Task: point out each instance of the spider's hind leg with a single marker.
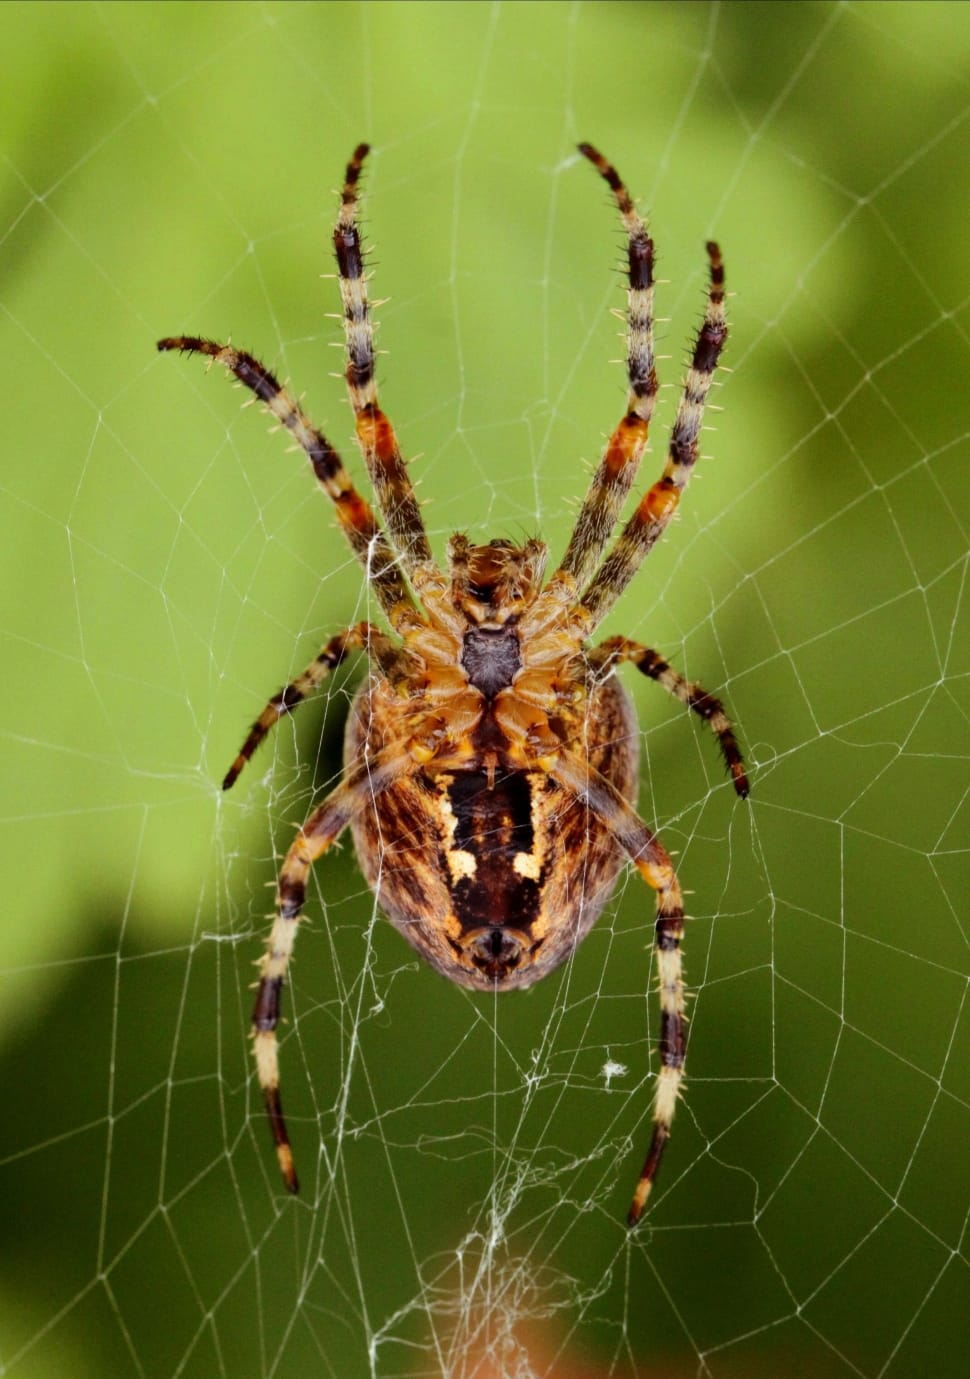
(575, 774)
(356, 792)
(658, 505)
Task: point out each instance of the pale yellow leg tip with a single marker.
(639, 1202)
(285, 1155)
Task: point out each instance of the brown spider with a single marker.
(491, 757)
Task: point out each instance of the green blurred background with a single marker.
(467, 1163)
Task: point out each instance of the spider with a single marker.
(491, 756)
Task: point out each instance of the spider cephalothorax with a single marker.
(491, 756)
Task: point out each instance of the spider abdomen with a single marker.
(494, 875)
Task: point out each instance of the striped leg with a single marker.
(654, 865)
(659, 503)
(617, 469)
(617, 649)
(375, 434)
(363, 637)
(322, 829)
(354, 513)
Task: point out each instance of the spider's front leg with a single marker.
(576, 775)
(375, 434)
(355, 793)
(618, 467)
(658, 505)
(354, 514)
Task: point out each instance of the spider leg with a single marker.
(575, 774)
(324, 826)
(363, 637)
(617, 469)
(354, 513)
(375, 434)
(659, 503)
(650, 663)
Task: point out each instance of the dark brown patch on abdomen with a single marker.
(494, 826)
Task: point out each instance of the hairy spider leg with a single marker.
(375, 434)
(368, 780)
(354, 513)
(659, 503)
(575, 774)
(615, 650)
(363, 637)
(617, 469)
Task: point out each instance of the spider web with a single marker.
(467, 1162)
